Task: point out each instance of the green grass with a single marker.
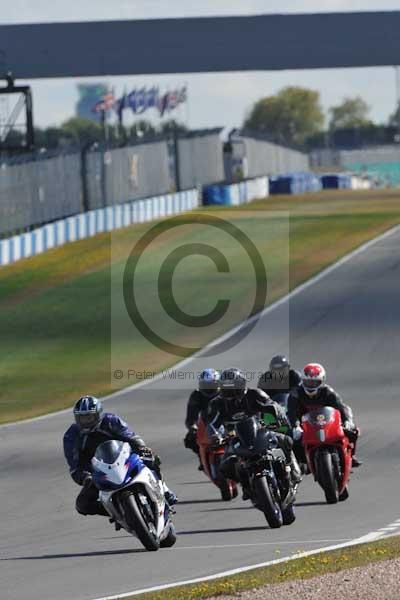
(55, 308)
(301, 568)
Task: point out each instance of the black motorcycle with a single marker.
(264, 473)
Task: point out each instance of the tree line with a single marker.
(294, 116)
(80, 132)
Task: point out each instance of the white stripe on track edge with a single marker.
(315, 279)
(370, 537)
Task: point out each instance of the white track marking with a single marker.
(234, 330)
(370, 537)
(276, 543)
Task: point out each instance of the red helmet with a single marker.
(312, 378)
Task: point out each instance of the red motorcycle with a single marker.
(211, 455)
(328, 451)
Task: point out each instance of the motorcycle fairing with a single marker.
(109, 476)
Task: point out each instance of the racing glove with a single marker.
(190, 438)
(348, 425)
(145, 452)
(297, 433)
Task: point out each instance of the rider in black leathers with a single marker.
(313, 393)
(208, 389)
(236, 400)
(280, 378)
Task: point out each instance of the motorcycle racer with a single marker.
(208, 389)
(280, 378)
(313, 393)
(92, 427)
(237, 400)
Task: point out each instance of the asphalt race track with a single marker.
(349, 321)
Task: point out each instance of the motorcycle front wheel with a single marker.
(267, 503)
(136, 519)
(326, 477)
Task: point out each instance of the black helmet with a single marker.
(233, 384)
(88, 412)
(209, 382)
(279, 363)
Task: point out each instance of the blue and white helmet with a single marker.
(88, 412)
(209, 382)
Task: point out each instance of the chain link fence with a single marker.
(39, 191)
(128, 173)
(42, 188)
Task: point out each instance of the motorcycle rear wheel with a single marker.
(227, 489)
(136, 521)
(266, 502)
(326, 477)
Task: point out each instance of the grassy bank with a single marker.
(55, 308)
(301, 568)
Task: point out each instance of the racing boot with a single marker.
(295, 470)
(116, 525)
(170, 497)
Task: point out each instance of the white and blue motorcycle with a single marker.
(133, 495)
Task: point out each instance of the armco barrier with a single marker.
(236, 193)
(91, 223)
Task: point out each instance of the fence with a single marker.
(200, 158)
(41, 189)
(255, 156)
(93, 222)
(128, 173)
(34, 192)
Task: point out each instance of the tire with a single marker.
(136, 521)
(235, 491)
(170, 539)
(326, 477)
(227, 490)
(344, 495)
(289, 515)
(267, 503)
(226, 486)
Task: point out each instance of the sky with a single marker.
(218, 99)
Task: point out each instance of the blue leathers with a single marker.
(79, 448)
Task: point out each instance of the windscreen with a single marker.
(108, 452)
(247, 431)
(321, 416)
